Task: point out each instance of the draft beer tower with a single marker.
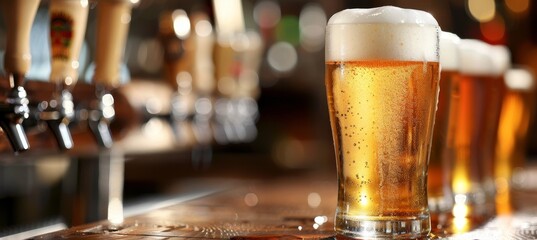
(18, 17)
(68, 20)
(113, 19)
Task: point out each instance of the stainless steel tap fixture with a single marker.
(68, 20)
(113, 19)
(18, 16)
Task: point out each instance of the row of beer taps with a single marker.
(214, 78)
(67, 28)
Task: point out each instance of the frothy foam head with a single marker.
(501, 57)
(384, 33)
(519, 79)
(449, 58)
(475, 58)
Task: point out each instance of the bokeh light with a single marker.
(282, 57)
(481, 10)
(312, 22)
(181, 24)
(251, 199)
(267, 14)
(493, 31)
(517, 6)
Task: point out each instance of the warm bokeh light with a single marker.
(203, 28)
(493, 31)
(460, 210)
(181, 24)
(314, 200)
(229, 17)
(461, 225)
(251, 199)
(115, 211)
(282, 57)
(461, 183)
(267, 14)
(312, 22)
(517, 6)
(84, 3)
(482, 10)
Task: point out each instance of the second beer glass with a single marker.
(382, 76)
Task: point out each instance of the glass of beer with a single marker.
(517, 114)
(440, 164)
(475, 111)
(382, 75)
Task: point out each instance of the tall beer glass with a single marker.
(382, 76)
(517, 114)
(472, 131)
(440, 164)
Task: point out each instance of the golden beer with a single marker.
(474, 115)
(381, 112)
(440, 196)
(517, 112)
(471, 140)
(382, 75)
(440, 164)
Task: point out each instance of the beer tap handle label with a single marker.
(61, 35)
(67, 28)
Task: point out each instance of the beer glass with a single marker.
(381, 79)
(517, 113)
(440, 196)
(472, 131)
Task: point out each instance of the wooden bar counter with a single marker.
(291, 207)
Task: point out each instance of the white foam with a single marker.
(449, 58)
(475, 58)
(501, 57)
(519, 79)
(386, 14)
(384, 33)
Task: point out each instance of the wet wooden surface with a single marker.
(300, 207)
(288, 208)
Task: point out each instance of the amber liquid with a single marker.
(474, 116)
(440, 164)
(517, 110)
(382, 115)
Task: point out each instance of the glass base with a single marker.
(394, 228)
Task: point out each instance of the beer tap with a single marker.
(177, 38)
(18, 16)
(237, 57)
(67, 27)
(113, 18)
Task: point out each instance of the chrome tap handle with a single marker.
(101, 114)
(57, 113)
(12, 113)
(18, 17)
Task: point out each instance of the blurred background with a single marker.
(286, 130)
